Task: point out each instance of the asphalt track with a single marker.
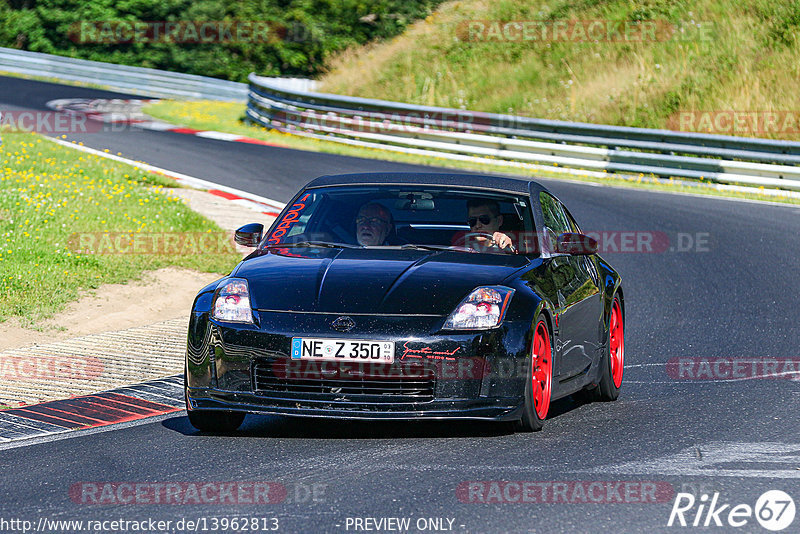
(736, 296)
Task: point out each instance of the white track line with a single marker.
(191, 181)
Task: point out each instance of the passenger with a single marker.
(374, 223)
(483, 216)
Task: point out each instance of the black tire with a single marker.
(531, 420)
(606, 390)
(211, 421)
(215, 421)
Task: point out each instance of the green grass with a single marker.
(229, 117)
(51, 195)
(739, 55)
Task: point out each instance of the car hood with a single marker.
(370, 281)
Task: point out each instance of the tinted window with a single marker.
(422, 215)
(573, 225)
(554, 216)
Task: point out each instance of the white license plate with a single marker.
(342, 350)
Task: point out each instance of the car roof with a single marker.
(483, 181)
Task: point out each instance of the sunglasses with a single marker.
(484, 219)
(372, 221)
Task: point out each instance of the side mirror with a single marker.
(576, 244)
(249, 235)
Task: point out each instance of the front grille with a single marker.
(378, 383)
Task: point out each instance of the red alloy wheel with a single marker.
(616, 344)
(542, 372)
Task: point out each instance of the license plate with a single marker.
(340, 350)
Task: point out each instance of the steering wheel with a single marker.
(464, 239)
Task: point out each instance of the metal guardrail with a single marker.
(139, 80)
(500, 139)
(290, 105)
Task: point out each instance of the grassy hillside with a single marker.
(726, 55)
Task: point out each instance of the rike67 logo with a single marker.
(774, 510)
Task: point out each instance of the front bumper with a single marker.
(209, 399)
(472, 375)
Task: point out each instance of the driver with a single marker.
(373, 223)
(483, 216)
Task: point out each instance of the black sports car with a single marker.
(406, 296)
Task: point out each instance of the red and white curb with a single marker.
(258, 203)
(129, 112)
(121, 405)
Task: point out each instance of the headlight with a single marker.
(232, 302)
(485, 307)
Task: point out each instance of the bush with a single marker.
(314, 30)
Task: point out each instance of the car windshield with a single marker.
(405, 217)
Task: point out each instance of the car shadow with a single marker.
(273, 426)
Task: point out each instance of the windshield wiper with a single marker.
(455, 248)
(323, 244)
(414, 246)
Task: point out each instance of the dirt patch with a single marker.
(160, 295)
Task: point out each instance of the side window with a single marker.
(573, 225)
(554, 216)
(556, 220)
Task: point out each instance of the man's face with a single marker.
(372, 226)
(480, 219)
